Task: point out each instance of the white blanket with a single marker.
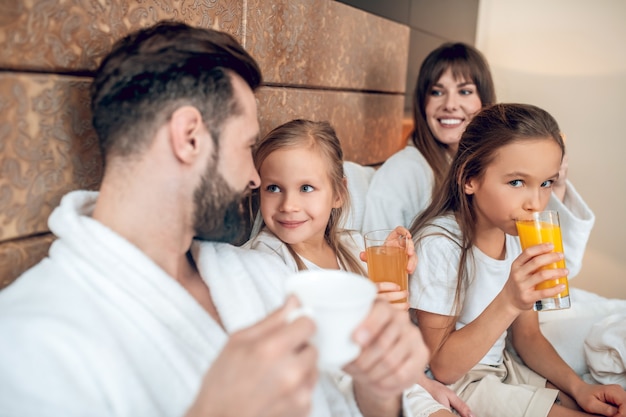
(605, 350)
(567, 329)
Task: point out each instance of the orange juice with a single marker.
(532, 233)
(388, 263)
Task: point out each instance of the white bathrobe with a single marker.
(98, 329)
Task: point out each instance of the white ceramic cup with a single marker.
(337, 301)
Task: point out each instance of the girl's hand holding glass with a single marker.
(527, 272)
(392, 257)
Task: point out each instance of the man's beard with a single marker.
(218, 212)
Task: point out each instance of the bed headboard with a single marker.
(321, 60)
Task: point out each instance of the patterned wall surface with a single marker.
(47, 148)
(308, 42)
(363, 123)
(327, 44)
(17, 256)
(321, 60)
(73, 35)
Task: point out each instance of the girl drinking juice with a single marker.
(473, 283)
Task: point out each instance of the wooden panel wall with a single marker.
(320, 59)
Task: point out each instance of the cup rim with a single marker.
(311, 276)
(534, 216)
(368, 236)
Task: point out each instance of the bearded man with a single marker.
(138, 310)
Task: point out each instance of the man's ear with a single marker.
(186, 133)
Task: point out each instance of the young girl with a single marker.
(473, 282)
(303, 197)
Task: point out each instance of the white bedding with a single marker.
(605, 350)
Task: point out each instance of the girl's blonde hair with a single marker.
(491, 129)
(319, 137)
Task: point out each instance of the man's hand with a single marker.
(267, 370)
(393, 355)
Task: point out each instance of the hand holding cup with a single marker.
(390, 257)
(544, 227)
(337, 301)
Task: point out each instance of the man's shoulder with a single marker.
(36, 289)
(409, 154)
(405, 166)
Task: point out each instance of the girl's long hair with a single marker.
(491, 129)
(319, 137)
(466, 62)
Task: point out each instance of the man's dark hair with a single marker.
(151, 72)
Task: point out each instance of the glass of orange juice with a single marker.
(544, 227)
(387, 258)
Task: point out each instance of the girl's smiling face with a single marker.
(297, 195)
(450, 105)
(518, 180)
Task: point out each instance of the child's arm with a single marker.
(455, 352)
(539, 355)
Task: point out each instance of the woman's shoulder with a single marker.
(408, 157)
(405, 170)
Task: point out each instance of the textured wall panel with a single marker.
(47, 148)
(368, 125)
(325, 43)
(62, 35)
(19, 255)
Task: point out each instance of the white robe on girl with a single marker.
(98, 329)
(267, 242)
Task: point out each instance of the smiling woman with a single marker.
(454, 82)
(449, 107)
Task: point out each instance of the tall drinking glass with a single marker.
(544, 227)
(387, 258)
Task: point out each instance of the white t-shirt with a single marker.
(432, 286)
